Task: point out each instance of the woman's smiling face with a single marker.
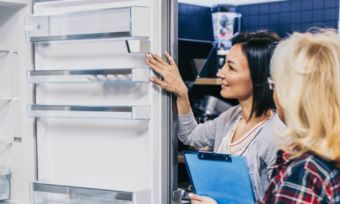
(235, 76)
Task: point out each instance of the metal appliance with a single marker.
(77, 139)
(226, 24)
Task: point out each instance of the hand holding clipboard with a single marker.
(222, 177)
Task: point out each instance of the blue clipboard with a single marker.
(220, 176)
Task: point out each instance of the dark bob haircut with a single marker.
(258, 48)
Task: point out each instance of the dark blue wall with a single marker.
(288, 16)
(195, 22)
(282, 17)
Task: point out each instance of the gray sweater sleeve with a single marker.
(193, 134)
(205, 134)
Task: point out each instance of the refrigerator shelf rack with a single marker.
(128, 75)
(49, 193)
(139, 112)
(117, 23)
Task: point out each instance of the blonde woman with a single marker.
(306, 73)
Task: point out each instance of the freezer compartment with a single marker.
(129, 75)
(129, 22)
(141, 112)
(43, 193)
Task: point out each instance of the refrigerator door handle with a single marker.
(177, 196)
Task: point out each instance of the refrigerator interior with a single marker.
(81, 121)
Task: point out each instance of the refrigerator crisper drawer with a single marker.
(129, 22)
(43, 193)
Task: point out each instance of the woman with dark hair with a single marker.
(244, 130)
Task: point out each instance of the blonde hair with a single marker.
(306, 72)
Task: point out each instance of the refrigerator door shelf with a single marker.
(5, 183)
(41, 1)
(3, 53)
(5, 101)
(17, 4)
(140, 112)
(131, 45)
(121, 23)
(130, 75)
(49, 193)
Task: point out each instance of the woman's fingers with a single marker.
(159, 59)
(171, 60)
(171, 79)
(156, 63)
(152, 60)
(154, 67)
(195, 197)
(155, 59)
(157, 81)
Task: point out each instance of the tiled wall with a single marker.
(195, 22)
(282, 17)
(287, 16)
(195, 31)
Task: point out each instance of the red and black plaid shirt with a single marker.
(306, 179)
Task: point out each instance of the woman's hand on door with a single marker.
(196, 199)
(171, 79)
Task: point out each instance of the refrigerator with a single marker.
(80, 121)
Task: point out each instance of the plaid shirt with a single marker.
(306, 179)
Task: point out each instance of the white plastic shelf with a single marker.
(43, 193)
(4, 53)
(5, 101)
(38, 1)
(13, 3)
(141, 112)
(117, 23)
(131, 75)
